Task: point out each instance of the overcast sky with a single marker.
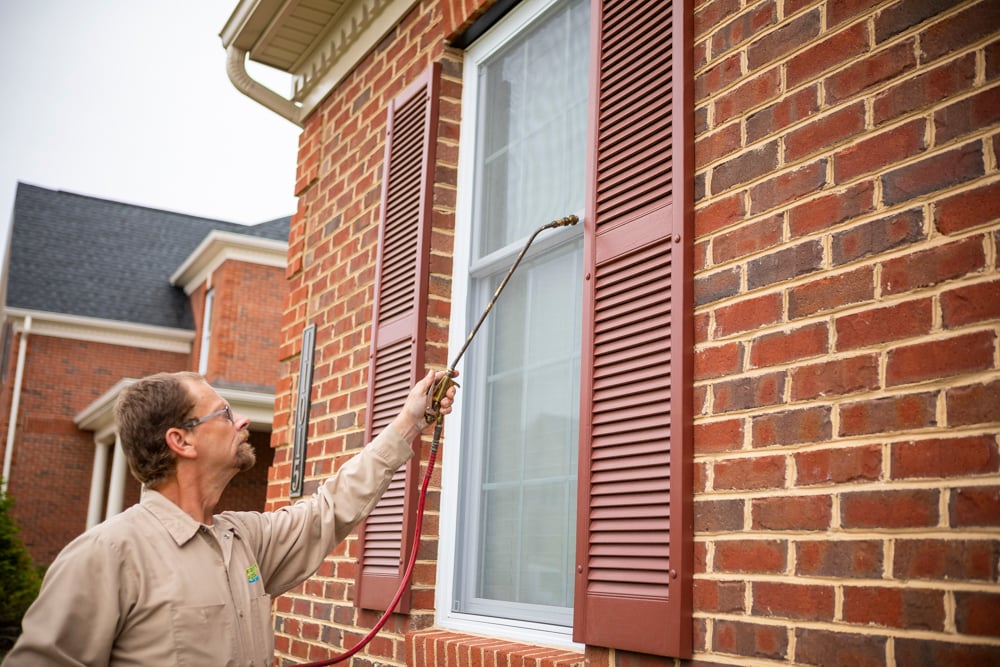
(129, 100)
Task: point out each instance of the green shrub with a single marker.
(20, 578)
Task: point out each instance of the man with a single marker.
(166, 582)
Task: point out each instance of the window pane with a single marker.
(500, 543)
(504, 440)
(545, 545)
(519, 477)
(528, 474)
(532, 118)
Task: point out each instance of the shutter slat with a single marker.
(624, 462)
(639, 500)
(644, 540)
(617, 452)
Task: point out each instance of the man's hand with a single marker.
(410, 420)
(444, 385)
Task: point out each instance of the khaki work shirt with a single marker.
(152, 586)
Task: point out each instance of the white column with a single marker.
(97, 479)
(116, 490)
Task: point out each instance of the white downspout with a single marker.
(237, 71)
(15, 404)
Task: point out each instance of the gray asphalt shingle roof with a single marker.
(78, 255)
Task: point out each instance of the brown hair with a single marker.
(144, 412)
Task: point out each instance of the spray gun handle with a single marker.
(436, 394)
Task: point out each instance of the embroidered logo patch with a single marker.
(253, 574)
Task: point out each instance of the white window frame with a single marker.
(505, 628)
(206, 331)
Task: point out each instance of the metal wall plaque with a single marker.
(302, 411)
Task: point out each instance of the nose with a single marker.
(240, 421)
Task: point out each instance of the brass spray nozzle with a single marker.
(565, 222)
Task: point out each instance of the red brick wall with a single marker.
(847, 326)
(847, 319)
(246, 312)
(53, 460)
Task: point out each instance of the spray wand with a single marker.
(441, 387)
(432, 415)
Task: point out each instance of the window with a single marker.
(512, 480)
(504, 527)
(206, 332)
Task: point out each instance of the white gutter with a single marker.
(236, 68)
(15, 404)
(318, 60)
(114, 332)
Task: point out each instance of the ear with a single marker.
(178, 443)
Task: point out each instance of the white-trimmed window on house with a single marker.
(206, 332)
(509, 508)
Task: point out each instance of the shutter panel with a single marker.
(397, 353)
(634, 532)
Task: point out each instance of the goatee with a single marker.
(246, 457)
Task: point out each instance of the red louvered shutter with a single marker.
(634, 532)
(397, 356)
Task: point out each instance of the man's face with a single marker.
(221, 442)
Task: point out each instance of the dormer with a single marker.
(236, 287)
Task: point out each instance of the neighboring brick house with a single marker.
(99, 293)
(746, 413)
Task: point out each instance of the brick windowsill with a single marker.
(442, 648)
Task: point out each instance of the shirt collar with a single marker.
(174, 520)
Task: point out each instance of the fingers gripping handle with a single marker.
(436, 393)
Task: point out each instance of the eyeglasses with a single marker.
(224, 411)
